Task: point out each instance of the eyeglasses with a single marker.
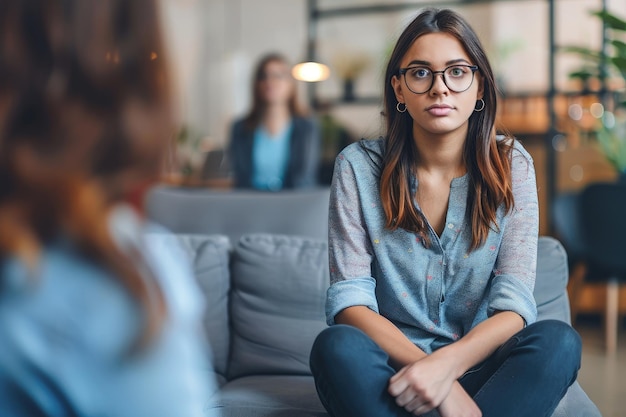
(273, 75)
(457, 78)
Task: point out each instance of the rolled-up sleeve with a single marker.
(515, 267)
(350, 250)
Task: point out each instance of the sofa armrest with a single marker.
(551, 283)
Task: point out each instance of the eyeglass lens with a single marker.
(457, 78)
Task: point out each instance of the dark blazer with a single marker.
(304, 151)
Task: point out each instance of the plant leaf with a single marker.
(583, 52)
(612, 141)
(584, 74)
(612, 21)
(620, 64)
(620, 47)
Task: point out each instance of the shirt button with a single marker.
(450, 226)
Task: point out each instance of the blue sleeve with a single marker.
(173, 377)
(516, 264)
(350, 251)
(67, 341)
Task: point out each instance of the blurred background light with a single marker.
(575, 112)
(609, 120)
(559, 143)
(310, 72)
(576, 173)
(596, 110)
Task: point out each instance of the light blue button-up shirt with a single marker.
(66, 328)
(436, 294)
(270, 157)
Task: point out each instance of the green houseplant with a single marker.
(602, 66)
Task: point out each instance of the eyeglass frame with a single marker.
(264, 76)
(403, 71)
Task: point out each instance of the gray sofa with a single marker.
(261, 261)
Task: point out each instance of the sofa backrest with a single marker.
(239, 212)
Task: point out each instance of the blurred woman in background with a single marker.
(92, 321)
(275, 146)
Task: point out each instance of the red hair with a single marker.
(84, 121)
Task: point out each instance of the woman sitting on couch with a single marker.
(433, 248)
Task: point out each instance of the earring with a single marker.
(481, 108)
(398, 107)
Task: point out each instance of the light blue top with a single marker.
(66, 329)
(270, 156)
(435, 294)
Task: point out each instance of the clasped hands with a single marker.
(432, 383)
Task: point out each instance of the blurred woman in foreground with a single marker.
(93, 319)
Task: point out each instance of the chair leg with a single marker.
(612, 313)
(574, 287)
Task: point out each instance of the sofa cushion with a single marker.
(270, 396)
(210, 258)
(576, 403)
(279, 286)
(551, 283)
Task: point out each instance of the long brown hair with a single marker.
(84, 121)
(259, 106)
(487, 160)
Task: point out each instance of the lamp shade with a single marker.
(310, 72)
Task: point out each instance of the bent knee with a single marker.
(558, 332)
(561, 339)
(336, 343)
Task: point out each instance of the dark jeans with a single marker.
(527, 376)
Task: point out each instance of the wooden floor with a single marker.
(603, 377)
